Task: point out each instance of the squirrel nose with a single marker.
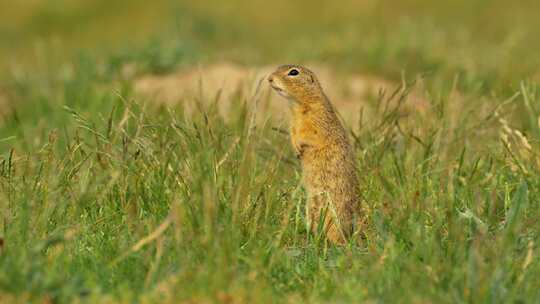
(271, 79)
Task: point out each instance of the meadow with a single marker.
(108, 196)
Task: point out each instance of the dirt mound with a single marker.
(225, 81)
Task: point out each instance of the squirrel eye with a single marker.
(293, 72)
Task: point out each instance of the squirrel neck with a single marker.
(311, 104)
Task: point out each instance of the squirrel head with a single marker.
(295, 83)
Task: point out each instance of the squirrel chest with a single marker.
(313, 134)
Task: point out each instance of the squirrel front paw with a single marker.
(300, 149)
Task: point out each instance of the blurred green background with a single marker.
(490, 41)
(88, 169)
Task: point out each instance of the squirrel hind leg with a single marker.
(325, 221)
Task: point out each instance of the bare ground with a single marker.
(350, 93)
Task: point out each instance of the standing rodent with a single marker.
(321, 143)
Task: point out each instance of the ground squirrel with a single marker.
(321, 143)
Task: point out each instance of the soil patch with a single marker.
(226, 82)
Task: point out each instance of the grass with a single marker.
(106, 198)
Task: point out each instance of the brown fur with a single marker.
(321, 143)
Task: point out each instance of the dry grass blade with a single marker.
(146, 240)
(226, 156)
(256, 98)
(152, 236)
(528, 259)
